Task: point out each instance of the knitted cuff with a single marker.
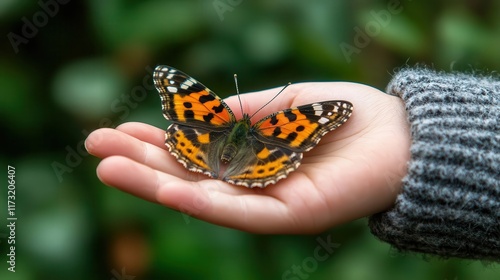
(450, 200)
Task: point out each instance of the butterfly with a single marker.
(206, 137)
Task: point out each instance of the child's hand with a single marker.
(355, 171)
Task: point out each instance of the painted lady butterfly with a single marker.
(206, 137)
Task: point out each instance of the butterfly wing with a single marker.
(280, 139)
(301, 128)
(197, 149)
(187, 101)
(264, 165)
(199, 119)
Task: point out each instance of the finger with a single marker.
(210, 200)
(129, 176)
(108, 142)
(143, 181)
(144, 132)
(219, 203)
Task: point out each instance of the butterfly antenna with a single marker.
(238, 92)
(271, 99)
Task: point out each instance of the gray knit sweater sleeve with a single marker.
(450, 201)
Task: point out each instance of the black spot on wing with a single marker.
(276, 132)
(292, 136)
(218, 109)
(290, 116)
(206, 98)
(274, 120)
(208, 117)
(188, 114)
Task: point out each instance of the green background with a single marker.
(87, 64)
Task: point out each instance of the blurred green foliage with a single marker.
(68, 67)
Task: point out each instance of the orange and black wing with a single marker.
(280, 139)
(301, 128)
(188, 102)
(199, 119)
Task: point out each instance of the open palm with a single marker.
(353, 172)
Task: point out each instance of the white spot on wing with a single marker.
(323, 120)
(187, 84)
(318, 108)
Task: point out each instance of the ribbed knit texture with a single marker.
(450, 201)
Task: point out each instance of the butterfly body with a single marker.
(237, 139)
(206, 137)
